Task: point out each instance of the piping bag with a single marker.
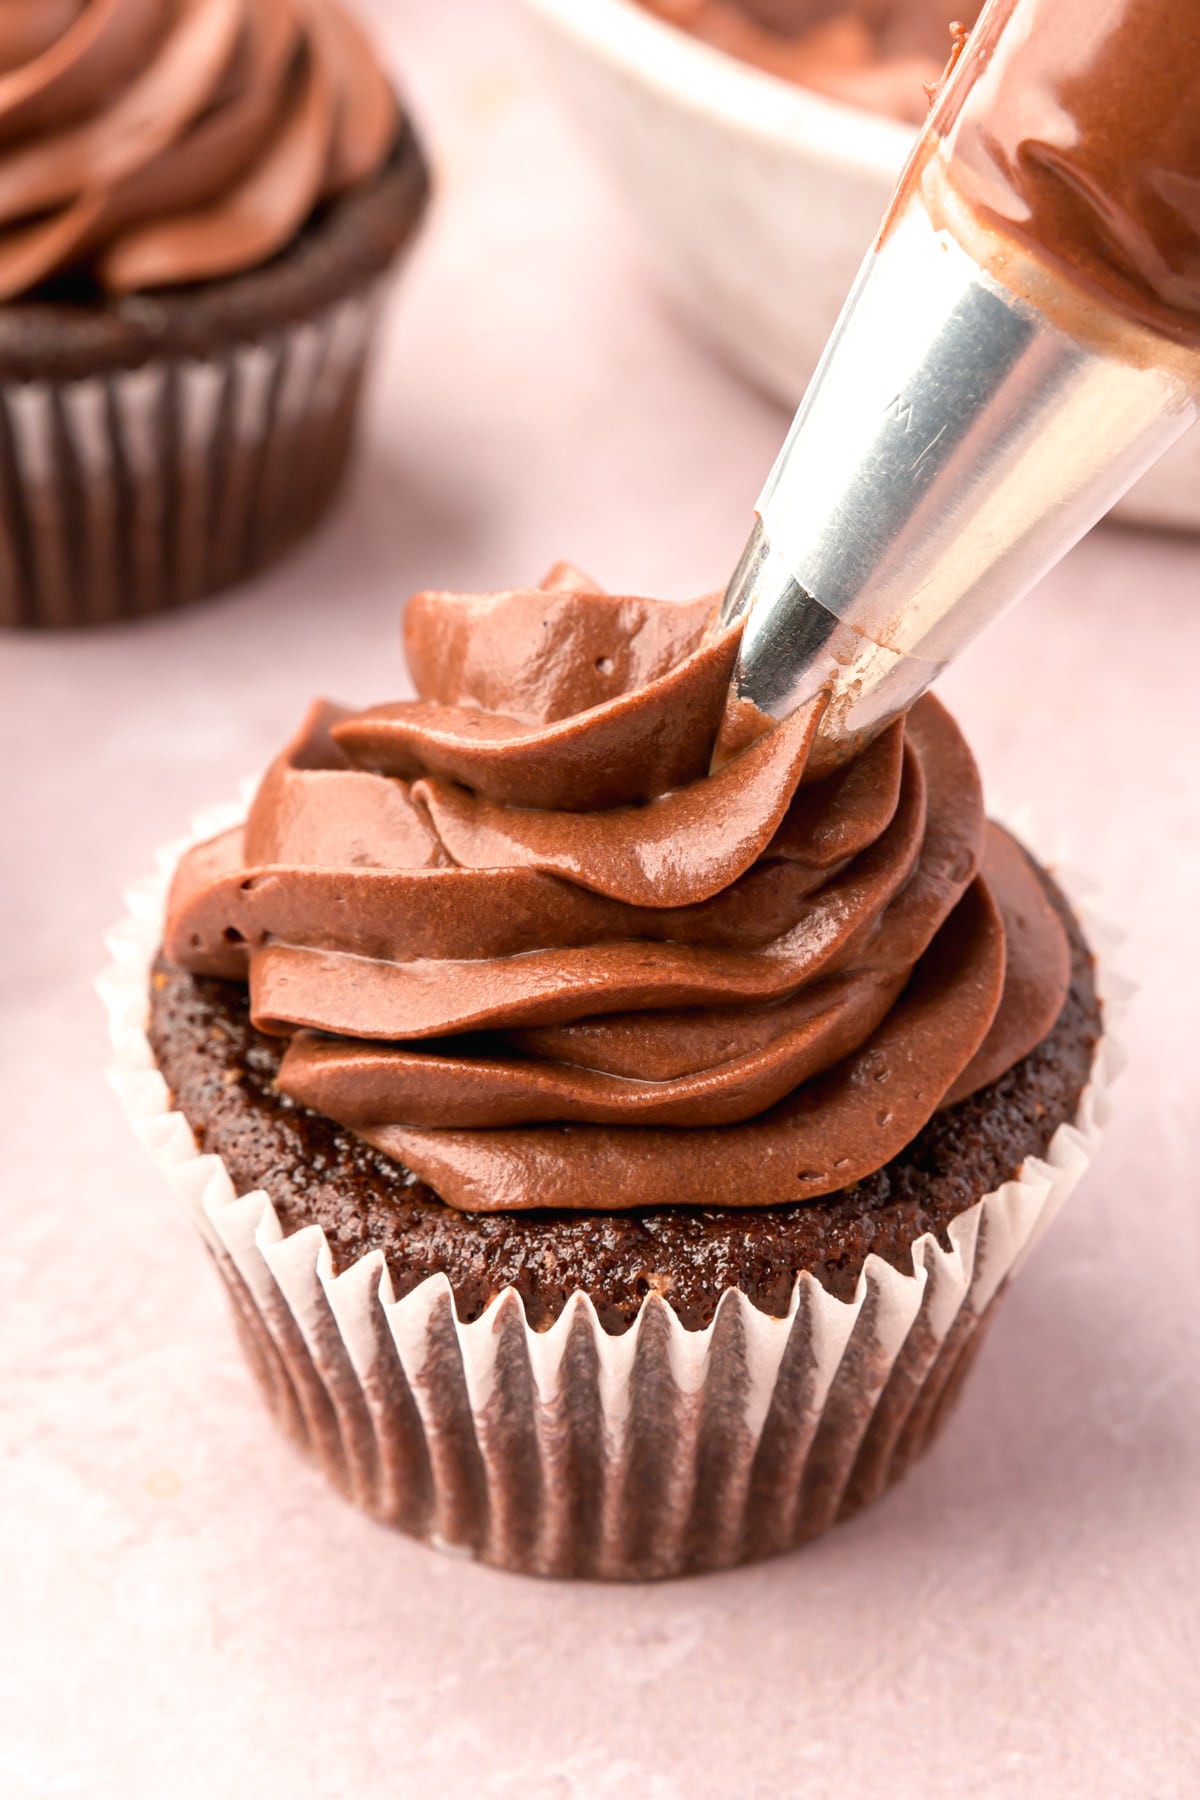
(1021, 343)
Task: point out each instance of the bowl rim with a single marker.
(701, 78)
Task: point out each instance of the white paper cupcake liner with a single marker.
(657, 1452)
(126, 493)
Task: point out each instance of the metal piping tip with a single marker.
(794, 652)
(952, 446)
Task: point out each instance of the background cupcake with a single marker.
(630, 1156)
(199, 202)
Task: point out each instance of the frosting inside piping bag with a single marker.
(519, 937)
(150, 143)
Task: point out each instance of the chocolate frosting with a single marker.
(1073, 129)
(148, 143)
(523, 940)
(879, 54)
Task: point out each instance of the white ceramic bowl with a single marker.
(756, 198)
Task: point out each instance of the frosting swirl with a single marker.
(523, 939)
(149, 143)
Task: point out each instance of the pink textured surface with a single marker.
(188, 1611)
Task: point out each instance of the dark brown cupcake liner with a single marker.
(140, 489)
(570, 1452)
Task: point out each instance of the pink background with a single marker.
(188, 1611)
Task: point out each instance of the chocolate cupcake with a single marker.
(630, 1153)
(200, 203)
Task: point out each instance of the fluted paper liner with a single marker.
(125, 493)
(569, 1451)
